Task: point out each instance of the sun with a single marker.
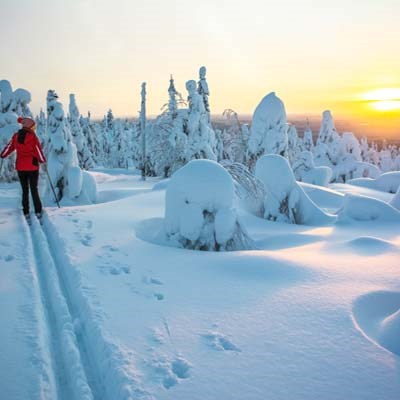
(386, 99)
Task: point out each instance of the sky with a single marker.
(315, 55)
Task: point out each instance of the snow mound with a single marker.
(388, 182)
(162, 185)
(370, 245)
(377, 316)
(363, 208)
(396, 200)
(198, 209)
(285, 200)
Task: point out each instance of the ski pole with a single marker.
(52, 188)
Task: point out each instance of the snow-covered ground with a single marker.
(93, 307)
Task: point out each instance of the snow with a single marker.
(293, 318)
(199, 210)
(305, 170)
(387, 182)
(268, 128)
(395, 202)
(363, 208)
(377, 315)
(285, 200)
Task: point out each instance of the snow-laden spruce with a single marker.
(85, 157)
(285, 200)
(167, 140)
(13, 104)
(268, 133)
(199, 211)
(63, 167)
(308, 143)
(294, 144)
(201, 137)
(305, 170)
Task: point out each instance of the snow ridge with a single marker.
(114, 375)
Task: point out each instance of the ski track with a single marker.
(65, 348)
(104, 369)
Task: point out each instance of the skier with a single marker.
(29, 156)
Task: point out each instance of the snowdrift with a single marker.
(377, 316)
(388, 182)
(198, 209)
(363, 209)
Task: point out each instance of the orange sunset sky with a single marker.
(315, 55)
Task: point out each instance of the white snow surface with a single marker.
(91, 310)
(387, 182)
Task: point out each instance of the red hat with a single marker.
(26, 122)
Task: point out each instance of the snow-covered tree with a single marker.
(308, 143)
(85, 157)
(327, 132)
(167, 144)
(385, 160)
(201, 137)
(305, 171)
(143, 131)
(234, 138)
(203, 90)
(294, 146)
(199, 211)
(268, 133)
(285, 200)
(12, 105)
(364, 148)
(41, 124)
(68, 179)
(89, 132)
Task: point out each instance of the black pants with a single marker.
(30, 179)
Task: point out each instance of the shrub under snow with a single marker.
(285, 200)
(199, 213)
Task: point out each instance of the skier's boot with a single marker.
(39, 216)
(28, 218)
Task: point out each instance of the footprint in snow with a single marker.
(8, 258)
(220, 342)
(87, 240)
(171, 372)
(109, 248)
(148, 280)
(118, 270)
(159, 296)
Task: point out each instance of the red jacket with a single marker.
(29, 151)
